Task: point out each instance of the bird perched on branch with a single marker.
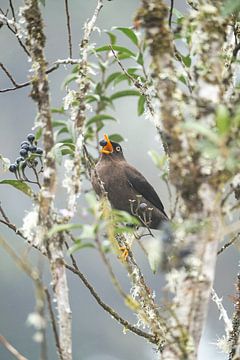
(127, 189)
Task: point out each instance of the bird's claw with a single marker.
(124, 253)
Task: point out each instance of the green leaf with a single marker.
(141, 103)
(157, 159)
(58, 110)
(178, 13)
(112, 77)
(116, 48)
(116, 138)
(88, 232)
(182, 79)
(223, 120)
(63, 227)
(154, 251)
(78, 246)
(112, 37)
(68, 79)
(19, 185)
(121, 216)
(100, 117)
(120, 78)
(56, 123)
(91, 200)
(129, 33)
(203, 130)
(123, 93)
(123, 56)
(92, 98)
(38, 134)
(140, 59)
(186, 60)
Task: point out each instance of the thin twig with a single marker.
(7, 222)
(74, 269)
(224, 247)
(225, 198)
(27, 83)
(11, 348)
(53, 323)
(141, 87)
(68, 28)
(12, 10)
(15, 32)
(234, 338)
(170, 14)
(8, 74)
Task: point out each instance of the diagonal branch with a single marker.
(11, 348)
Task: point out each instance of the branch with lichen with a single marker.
(78, 111)
(234, 336)
(199, 190)
(35, 42)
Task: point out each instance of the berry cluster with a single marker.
(29, 156)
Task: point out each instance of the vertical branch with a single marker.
(198, 193)
(79, 111)
(69, 29)
(234, 338)
(40, 94)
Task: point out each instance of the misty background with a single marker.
(95, 335)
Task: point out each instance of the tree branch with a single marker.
(68, 28)
(11, 348)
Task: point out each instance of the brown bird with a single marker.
(127, 189)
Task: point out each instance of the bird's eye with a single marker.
(118, 148)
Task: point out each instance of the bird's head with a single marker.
(110, 147)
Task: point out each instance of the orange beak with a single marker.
(107, 149)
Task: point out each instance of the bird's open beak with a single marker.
(107, 149)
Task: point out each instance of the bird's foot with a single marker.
(124, 253)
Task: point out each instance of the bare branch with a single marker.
(54, 324)
(68, 28)
(14, 30)
(224, 247)
(27, 83)
(170, 14)
(54, 246)
(11, 348)
(8, 74)
(234, 338)
(74, 269)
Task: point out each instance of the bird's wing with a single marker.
(142, 187)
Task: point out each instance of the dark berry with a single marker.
(24, 143)
(35, 162)
(19, 159)
(31, 137)
(13, 168)
(23, 152)
(39, 151)
(32, 148)
(25, 146)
